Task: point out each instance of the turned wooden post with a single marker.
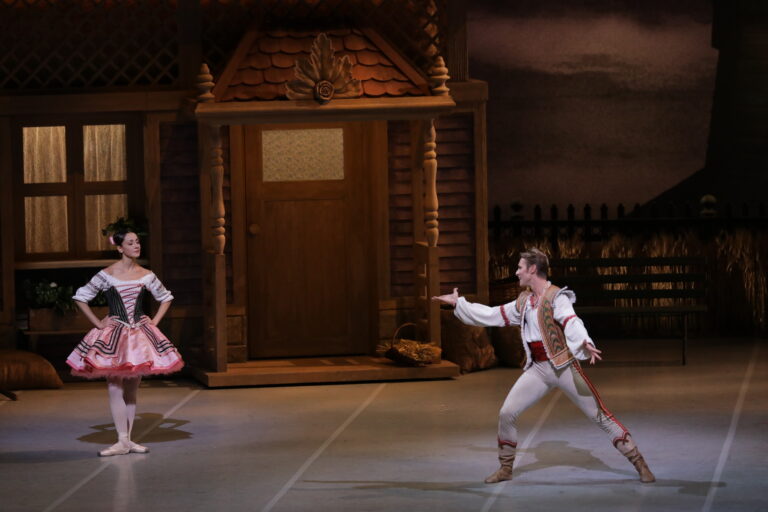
(430, 185)
(217, 191)
(215, 284)
(426, 253)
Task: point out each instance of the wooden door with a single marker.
(309, 278)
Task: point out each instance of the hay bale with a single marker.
(465, 345)
(407, 352)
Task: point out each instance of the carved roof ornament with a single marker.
(204, 84)
(438, 75)
(323, 76)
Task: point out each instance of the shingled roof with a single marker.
(264, 62)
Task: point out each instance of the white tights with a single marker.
(122, 403)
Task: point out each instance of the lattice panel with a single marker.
(49, 44)
(223, 25)
(415, 27)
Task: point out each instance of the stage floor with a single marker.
(400, 446)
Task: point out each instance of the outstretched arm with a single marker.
(450, 298)
(479, 314)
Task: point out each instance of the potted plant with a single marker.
(51, 307)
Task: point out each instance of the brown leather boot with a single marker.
(638, 461)
(506, 459)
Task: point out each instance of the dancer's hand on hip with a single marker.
(107, 321)
(144, 320)
(593, 352)
(450, 298)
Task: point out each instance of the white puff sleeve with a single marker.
(159, 292)
(573, 327)
(91, 289)
(486, 316)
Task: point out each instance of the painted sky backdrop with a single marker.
(605, 102)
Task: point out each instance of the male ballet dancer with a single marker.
(553, 339)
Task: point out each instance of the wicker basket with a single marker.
(406, 352)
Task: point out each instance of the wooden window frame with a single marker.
(76, 188)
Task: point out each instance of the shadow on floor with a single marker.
(547, 454)
(167, 430)
(558, 453)
(473, 488)
(690, 487)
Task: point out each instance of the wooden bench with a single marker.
(664, 286)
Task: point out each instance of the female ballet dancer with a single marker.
(126, 344)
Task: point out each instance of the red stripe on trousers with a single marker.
(600, 403)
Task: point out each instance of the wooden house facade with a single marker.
(311, 172)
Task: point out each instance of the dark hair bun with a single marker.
(120, 235)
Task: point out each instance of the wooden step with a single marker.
(315, 370)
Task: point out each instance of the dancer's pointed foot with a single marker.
(506, 461)
(638, 461)
(119, 448)
(500, 475)
(137, 448)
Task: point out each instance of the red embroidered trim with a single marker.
(565, 322)
(600, 403)
(502, 442)
(504, 316)
(622, 439)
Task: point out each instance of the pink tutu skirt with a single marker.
(124, 351)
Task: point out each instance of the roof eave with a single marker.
(302, 111)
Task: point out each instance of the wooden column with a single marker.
(7, 312)
(426, 253)
(216, 317)
(427, 258)
(212, 200)
(152, 186)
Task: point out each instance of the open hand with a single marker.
(593, 352)
(107, 321)
(451, 298)
(144, 320)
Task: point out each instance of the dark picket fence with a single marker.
(731, 240)
(596, 224)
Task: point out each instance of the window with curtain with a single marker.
(74, 178)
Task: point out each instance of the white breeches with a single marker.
(538, 380)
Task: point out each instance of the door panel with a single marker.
(307, 281)
(308, 271)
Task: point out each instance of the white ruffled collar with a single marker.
(142, 279)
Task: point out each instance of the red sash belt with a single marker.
(538, 354)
